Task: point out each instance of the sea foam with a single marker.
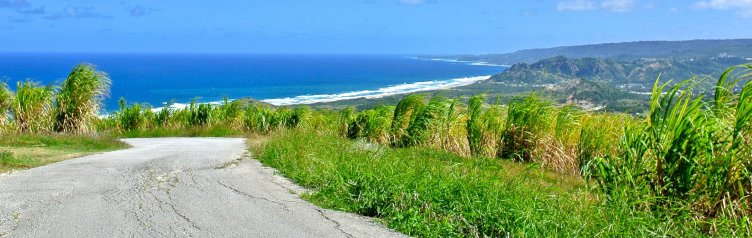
(378, 93)
(367, 94)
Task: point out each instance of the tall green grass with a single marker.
(528, 119)
(475, 125)
(430, 124)
(404, 115)
(129, 118)
(32, 106)
(373, 125)
(687, 163)
(424, 192)
(79, 99)
(6, 102)
(691, 155)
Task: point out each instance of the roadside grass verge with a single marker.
(428, 193)
(26, 151)
(197, 131)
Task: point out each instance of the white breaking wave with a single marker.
(476, 63)
(378, 93)
(368, 94)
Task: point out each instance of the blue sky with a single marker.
(358, 26)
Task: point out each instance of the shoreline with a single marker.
(387, 91)
(392, 90)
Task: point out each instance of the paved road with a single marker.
(179, 187)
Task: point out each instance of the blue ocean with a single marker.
(164, 79)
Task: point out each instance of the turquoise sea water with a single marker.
(160, 79)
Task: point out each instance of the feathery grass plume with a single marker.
(404, 114)
(6, 97)
(31, 107)
(475, 125)
(426, 126)
(80, 98)
(129, 118)
(527, 120)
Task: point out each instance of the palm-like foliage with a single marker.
(80, 98)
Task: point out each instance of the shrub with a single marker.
(404, 114)
(31, 107)
(6, 102)
(79, 99)
(129, 118)
(475, 125)
(428, 125)
(373, 125)
(527, 120)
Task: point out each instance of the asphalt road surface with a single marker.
(176, 187)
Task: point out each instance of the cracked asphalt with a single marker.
(167, 187)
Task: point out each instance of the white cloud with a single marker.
(724, 4)
(609, 5)
(412, 2)
(575, 5)
(618, 5)
(744, 7)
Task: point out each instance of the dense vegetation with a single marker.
(429, 193)
(32, 116)
(638, 72)
(684, 168)
(438, 167)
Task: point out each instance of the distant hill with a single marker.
(617, 72)
(619, 85)
(625, 51)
